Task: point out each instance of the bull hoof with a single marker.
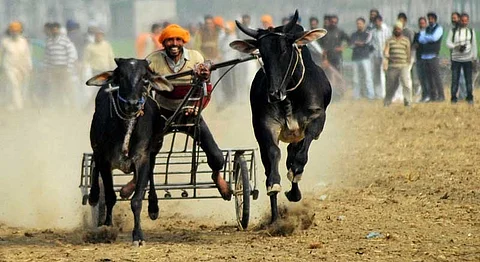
(92, 201)
(293, 197)
(138, 243)
(292, 177)
(274, 189)
(153, 215)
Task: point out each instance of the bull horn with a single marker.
(248, 31)
(288, 27)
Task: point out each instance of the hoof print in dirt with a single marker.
(102, 234)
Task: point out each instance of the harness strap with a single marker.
(299, 57)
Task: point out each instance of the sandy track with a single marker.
(410, 174)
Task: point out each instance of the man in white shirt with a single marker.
(380, 34)
(462, 42)
(16, 63)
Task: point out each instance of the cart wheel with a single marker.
(99, 212)
(242, 192)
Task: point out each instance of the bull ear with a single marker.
(309, 36)
(245, 46)
(160, 83)
(101, 79)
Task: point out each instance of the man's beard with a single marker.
(397, 34)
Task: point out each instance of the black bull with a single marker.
(125, 134)
(288, 97)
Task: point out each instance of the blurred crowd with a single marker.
(392, 64)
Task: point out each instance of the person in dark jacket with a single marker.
(332, 43)
(431, 39)
(360, 43)
(420, 63)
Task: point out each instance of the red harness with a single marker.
(180, 91)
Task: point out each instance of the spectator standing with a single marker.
(207, 40)
(99, 54)
(420, 63)
(380, 34)
(462, 41)
(332, 44)
(16, 64)
(313, 22)
(372, 24)
(59, 59)
(360, 42)
(462, 89)
(397, 65)
(431, 39)
(146, 43)
(227, 92)
(267, 21)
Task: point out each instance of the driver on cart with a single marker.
(175, 58)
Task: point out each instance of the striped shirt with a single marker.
(60, 51)
(397, 51)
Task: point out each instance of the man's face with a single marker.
(173, 46)
(378, 23)
(422, 24)
(464, 21)
(455, 19)
(360, 25)
(397, 31)
(402, 20)
(431, 20)
(373, 14)
(246, 20)
(334, 21)
(326, 23)
(313, 24)
(99, 37)
(209, 24)
(55, 31)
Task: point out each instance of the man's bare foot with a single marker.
(222, 185)
(128, 189)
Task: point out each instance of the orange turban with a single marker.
(267, 19)
(173, 31)
(15, 26)
(218, 21)
(230, 25)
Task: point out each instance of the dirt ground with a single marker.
(409, 174)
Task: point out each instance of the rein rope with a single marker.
(299, 58)
(131, 119)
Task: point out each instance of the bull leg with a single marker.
(110, 196)
(136, 202)
(298, 156)
(95, 189)
(153, 209)
(270, 154)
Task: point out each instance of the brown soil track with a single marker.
(410, 174)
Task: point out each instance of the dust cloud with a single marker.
(40, 162)
(41, 154)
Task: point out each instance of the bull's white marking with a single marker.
(126, 141)
(292, 177)
(274, 189)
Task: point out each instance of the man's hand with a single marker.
(202, 70)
